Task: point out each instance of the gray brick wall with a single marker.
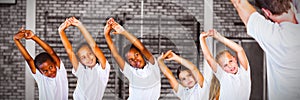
(227, 21)
(12, 70)
(167, 24)
(176, 18)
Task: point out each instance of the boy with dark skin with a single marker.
(51, 76)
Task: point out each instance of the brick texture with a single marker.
(12, 70)
(173, 19)
(227, 21)
(167, 24)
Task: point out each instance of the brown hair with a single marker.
(276, 7)
(179, 70)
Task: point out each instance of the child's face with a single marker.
(48, 68)
(135, 58)
(228, 63)
(86, 56)
(187, 79)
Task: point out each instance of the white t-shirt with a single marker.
(91, 83)
(144, 84)
(281, 43)
(53, 88)
(234, 86)
(195, 93)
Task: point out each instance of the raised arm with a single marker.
(206, 52)
(96, 50)
(48, 49)
(112, 47)
(136, 42)
(167, 72)
(196, 73)
(67, 43)
(17, 37)
(45, 46)
(232, 45)
(244, 9)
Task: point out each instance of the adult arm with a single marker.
(244, 9)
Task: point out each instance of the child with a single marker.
(92, 76)
(51, 76)
(234, 80)
(143, 74)
(192, 85)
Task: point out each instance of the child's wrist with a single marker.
(217, 35)
(119, 29)
(61, 29)
(178, 59)
(106, 33)
(17, 38)
(160, 59)
(202, 36)
(123, 32)
(79, 25)
(34, 37)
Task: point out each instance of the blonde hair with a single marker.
(214, 90)
(221, 55)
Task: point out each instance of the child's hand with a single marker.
(28, 34)
(19, 35)
(170, 55)
(214, 34)
(107, 29)
(74, 21)
(117, 27)
(160, 58)
(204, 35)
(211, 32)
(64, 25)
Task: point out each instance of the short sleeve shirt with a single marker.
(281, 45)
(194, 93)
(234, 86)
(144, 84)
(53, 88)
(91, 82)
